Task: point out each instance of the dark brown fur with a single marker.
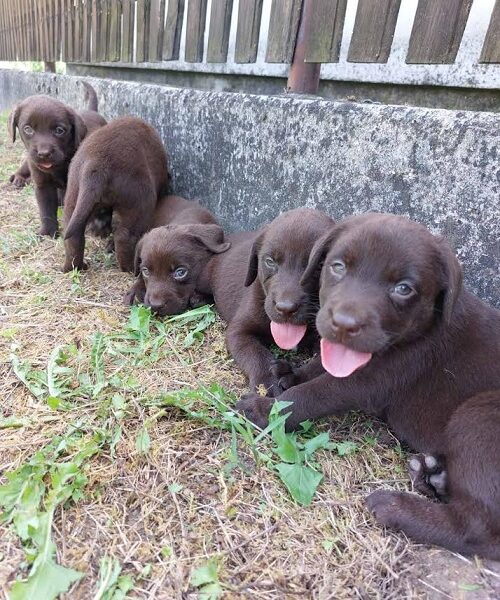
(51, 132)
(121, 167)
(184, 237)
(246, 291)
(434, 375)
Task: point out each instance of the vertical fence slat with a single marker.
(195, 30)
(172, 30)
(325, 34)
(373, 31)
(96, 16)
(437, 31)
(491, 48)
(155, 39)
(141, 49)
(103, 31)
(127, 51)
(283, 26)
(248, 30)
(218, 35)
(115, 13)
(86, 29)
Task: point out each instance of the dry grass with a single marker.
(267, 546)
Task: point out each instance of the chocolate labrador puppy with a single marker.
(121, 167)
(51, 132)
(402, 339)
(169, 258)
(256, 287)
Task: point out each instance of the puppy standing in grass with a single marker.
(169, 258)
(403, 340)
(51, 132)
(121, 167)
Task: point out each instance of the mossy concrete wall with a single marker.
(250, 157)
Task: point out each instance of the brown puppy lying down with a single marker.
(403, 340)
(170, 257)
(121, 167)
(51, 132)
(256, 287)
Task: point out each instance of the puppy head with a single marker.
(50, 131)
(385, 282)
(278, 260)
(170, 260)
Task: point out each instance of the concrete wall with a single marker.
(250, 157)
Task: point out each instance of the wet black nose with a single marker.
(346, 324)
(43, 153)
(156, 308)
(286, 307)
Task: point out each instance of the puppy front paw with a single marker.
(385, 505)
(428, 475)
(284, 374)
(129, 297)
(18, 180)
(255, 408)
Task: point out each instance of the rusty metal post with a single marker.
(303, 78)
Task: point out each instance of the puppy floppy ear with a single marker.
(79, 128)
(137, 258)
(13, 121)
(316, 258)
(253, 263)
(452, 277)
(210, 236)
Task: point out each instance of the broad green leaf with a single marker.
(345, 448)
(300, 480)
(319, 441)
(143, 441)
(206, 579)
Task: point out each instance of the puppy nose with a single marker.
(154, 307)
(43, 153)
(345, 323)
(286, 307)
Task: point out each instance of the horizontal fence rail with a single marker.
(151, 30)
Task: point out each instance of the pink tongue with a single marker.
(286, 335)
(341, 361)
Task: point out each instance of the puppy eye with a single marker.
(145, 271)
(403, 289)
(28, 130)
(338, 267)
(270, 263)
(59, 130)
(180, 273)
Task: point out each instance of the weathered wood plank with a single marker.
(172, 30)
(127, 46)
(195, 30)
(373, 31)
(86, 29)
(96, 17)
(77, 30)
(103, 30)
(437, 31)
(283, 26)
(325, 33)
(155, 38)
(113, 49)
(141, 49)
(491, 47)
(218, 36)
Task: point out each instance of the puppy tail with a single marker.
(89, 194)
(90, 96)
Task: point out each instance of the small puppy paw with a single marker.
(128, 299)
(70, 266)
(255, 408)
(385, 506)
(48, 230)
(428, 475)
(19, 181)
(197, 300)
(284, 374)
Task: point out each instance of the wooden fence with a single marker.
(150, 30)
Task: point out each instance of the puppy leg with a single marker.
(75, 245)
(253, 357)
(22, 176)
(47, 200)
(470, 522)
(138, 290)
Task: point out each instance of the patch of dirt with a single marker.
(267, 546)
